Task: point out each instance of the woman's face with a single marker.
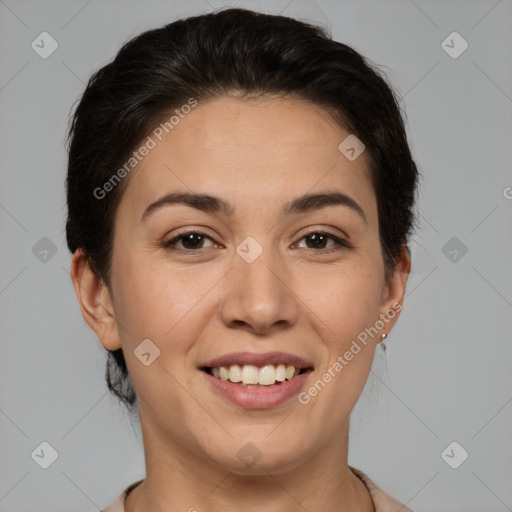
(255, 280)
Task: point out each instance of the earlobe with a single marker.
(95, 302)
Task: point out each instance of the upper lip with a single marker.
(243, 358)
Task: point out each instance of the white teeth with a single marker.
(235, 373)
(281, 372)
(267, 375)
(249, 374)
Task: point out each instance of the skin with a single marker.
(294, 298)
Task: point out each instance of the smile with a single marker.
(251, 375)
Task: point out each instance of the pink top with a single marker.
(382, 501)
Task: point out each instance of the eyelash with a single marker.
(342, 244)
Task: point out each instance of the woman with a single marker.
(240, 197)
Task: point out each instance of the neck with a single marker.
(176, 479)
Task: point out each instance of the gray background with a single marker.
(447, 373)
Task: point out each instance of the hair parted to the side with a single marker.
(229, 52)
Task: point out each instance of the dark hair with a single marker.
(230, 52)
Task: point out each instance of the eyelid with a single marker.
(326, 230)
(341, 242)
(166, 244)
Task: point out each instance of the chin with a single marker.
(253, 454)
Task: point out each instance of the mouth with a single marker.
(256, 381)
(250, 376)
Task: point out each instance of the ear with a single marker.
(95, 302)
(394, 291)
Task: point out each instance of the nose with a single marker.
(259, 295)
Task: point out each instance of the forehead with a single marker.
(250, 152)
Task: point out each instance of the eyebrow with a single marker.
(211, 204)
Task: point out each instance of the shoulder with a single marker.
(118, 505)
(383, 502)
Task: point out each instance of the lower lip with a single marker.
(260, 397)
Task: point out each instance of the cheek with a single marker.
(349, 306)
(161, 305)
(160, 302)
(145, 302)
(347, 299)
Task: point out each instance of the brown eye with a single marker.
(190, 240)
(319, 239)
